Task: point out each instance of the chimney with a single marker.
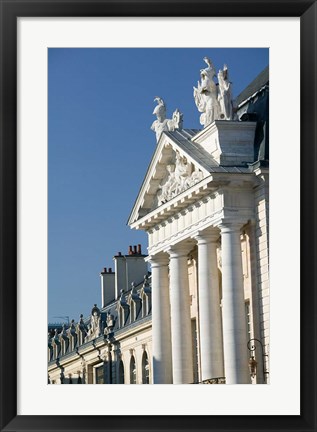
(110, 270)
(135, 267)
(129, 268)
(107, 280)
(120, 274)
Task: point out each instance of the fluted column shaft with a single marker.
(161, 321)
(180, 317)
(233, 307)
(211, 349)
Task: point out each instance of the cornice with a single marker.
(197, 192)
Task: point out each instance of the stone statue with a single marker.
(161, 123)
(168, 188)
(94, 328)
(110, 320)
(183, 171)
(206, 95)
(207, 75)
(225, 94)
(195, 177)
(212, 100)
(176, 122)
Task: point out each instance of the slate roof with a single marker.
(112, 308)
(259, 82)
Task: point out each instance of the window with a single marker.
(121, 373)
(99, 374)
(132, 371)
(145, 369)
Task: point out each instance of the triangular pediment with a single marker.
(176, 166)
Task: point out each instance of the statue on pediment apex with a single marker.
(213, 99)
(161, 123)
(207, 75)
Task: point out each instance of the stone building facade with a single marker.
(114, 344)
(201, 315)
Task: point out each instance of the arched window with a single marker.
(145, 369)
(121, 373)
(132, 371)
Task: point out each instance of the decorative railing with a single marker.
(218, 380)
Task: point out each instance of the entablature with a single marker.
(207, 212)
(239, 184)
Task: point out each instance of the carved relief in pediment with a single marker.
(180, 175)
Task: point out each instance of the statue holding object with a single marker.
(161, 123)
(212, 99)
(225, 93)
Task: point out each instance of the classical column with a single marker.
(209, 306)
(161, 321)
(233, 307)
(180, 316)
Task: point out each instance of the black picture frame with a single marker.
(10, 11)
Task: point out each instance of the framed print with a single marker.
(98, 61)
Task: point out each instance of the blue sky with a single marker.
(100, 104)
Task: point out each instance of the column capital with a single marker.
(179, 250)
(230, 225)
(209, 235)
(158, 260)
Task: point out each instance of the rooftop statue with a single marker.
(162, 124)
(213, 99)
(94, 328)
(225, 94)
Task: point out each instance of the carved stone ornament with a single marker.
(213, 100)
(110, 321)
(161, 123)
(95, 324)
(225, 94)
(180, 176)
